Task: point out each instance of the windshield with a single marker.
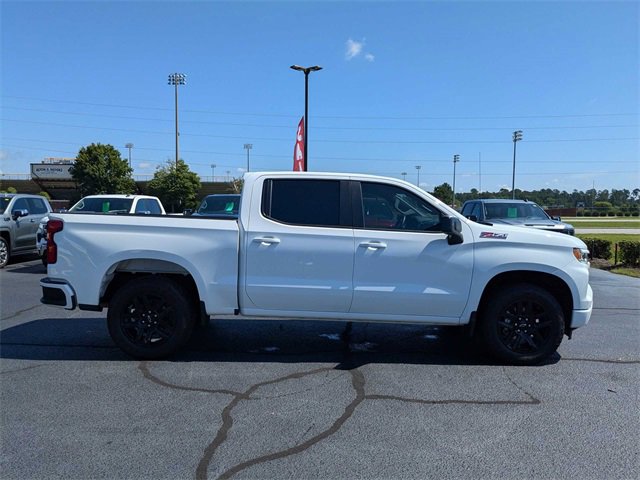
(220, 205)
(103, 205)
(4, 203)
(515, 210)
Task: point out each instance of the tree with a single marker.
(99, 169)
(176, 191)
(444, 193)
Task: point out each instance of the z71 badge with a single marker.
(496, 236)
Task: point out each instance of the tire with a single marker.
(151, 317)
(522, 325)
(5, 252)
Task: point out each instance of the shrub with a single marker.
(598, 247)
(611, 213)
(629, 253)
(580, 213)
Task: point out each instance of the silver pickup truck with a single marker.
(21, 214)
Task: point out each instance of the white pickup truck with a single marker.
(321, 246)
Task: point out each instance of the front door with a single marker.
(403, 263)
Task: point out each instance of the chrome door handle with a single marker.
(374, 245)
(267, 240)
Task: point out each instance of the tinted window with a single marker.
(37, 206)
(466, 211)
(21, 204)
(515, 210)
(303, 202)
(103, 205)
(386, 207)
(477, 211)
(4, 203)
(220, 205)
(148, 206)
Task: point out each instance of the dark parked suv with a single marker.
(513, 212)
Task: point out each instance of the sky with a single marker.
(403, 84)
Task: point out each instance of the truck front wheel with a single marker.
(4, 252)
(150, 317)
(522, 325)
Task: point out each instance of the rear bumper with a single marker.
(58, 293)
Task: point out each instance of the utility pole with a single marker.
(418, 167)
(248, 146)
(129, 146)
(517, 136)
(177, 79)
(456, 159)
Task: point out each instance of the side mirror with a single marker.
(557, 219)
(187, 212)
(452, 226)
(16, 214)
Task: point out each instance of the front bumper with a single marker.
(579, 318)
(58, 293)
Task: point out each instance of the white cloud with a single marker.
(144, 165)
(354, 49)
(369, 57)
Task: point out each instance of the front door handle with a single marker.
(267, 240)
(374, 245)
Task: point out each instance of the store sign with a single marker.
(48, 171)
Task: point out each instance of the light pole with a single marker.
(177, 79)
(129, 146)
(418, 167)
(228, 175)
(517, 136)
(404, 176)
(213, 172)
(456, 159)
(248, 146)
(306, 71)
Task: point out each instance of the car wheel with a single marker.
(4, 252)
(151, 317)
(522, 325)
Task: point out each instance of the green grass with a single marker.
(604, 224)
(629, 272)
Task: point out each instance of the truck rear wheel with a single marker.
(151, 317)
(522, 325)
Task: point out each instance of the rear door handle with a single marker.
(374, 245)
(267, 240)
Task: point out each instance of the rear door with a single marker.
(299, 247)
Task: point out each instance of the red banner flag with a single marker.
(299, 160)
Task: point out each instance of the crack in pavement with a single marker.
(21, 369)
(358, 382)
(20, 312)
(601, 360)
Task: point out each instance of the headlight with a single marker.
(582, 255)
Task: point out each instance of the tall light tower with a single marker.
(247, 147)
(129, 146)
(306, 71)
(456, 159)
(404, 176)
(177, 79)
(517, 136)
(213, 172)
(418, 167)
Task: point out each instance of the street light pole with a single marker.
(177, 79)
(456, 159)
(517, 136)
(248, 146)
(404, 176)
(213, 174)
(418, 167)
(306, 71)
(129, 146)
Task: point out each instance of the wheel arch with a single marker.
(553, 284)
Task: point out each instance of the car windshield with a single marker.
(4, 203)
(220, 205)
(103, 205)
(515, 210)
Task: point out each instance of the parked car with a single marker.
(21, 215)
(226, 205)
(103, 204)
(304, 246)
(514, 212)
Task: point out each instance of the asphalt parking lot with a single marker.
(298, 400)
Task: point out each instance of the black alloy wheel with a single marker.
(150, 317)
(523, 325)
